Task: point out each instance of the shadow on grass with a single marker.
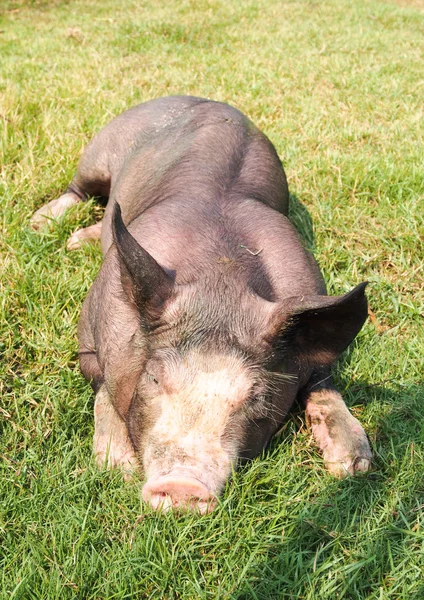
(359, 537)
(302, 221)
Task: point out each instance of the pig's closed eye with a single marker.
(257, 407)
(255, 400)
(152, 378)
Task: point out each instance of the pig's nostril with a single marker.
(177, 491)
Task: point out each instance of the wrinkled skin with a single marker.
(208, 318)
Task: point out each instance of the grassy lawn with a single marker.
(336, 86)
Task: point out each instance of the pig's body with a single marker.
(204, 325)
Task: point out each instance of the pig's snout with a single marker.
(177, 490)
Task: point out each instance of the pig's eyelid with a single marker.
(152, 378)
(255, 399)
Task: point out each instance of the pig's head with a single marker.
(223, 366)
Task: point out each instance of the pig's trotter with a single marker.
(111, 444)
(54, 209)
(82, 236)
(338, 434)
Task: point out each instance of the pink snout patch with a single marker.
(178, 490)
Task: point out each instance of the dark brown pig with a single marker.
(208, 318)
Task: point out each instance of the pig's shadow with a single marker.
(324, 524)
(301, 219)
(323, 529)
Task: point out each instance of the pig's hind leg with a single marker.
(92, 178)
(87, 234)
(337, 433)
(54, 209)
(111, 444)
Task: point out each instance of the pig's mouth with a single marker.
(178, 490)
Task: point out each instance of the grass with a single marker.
(337, 86)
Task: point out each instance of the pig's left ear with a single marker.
(321, 327)
(142, 278)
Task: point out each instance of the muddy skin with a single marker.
(208, 318)
(338, 434)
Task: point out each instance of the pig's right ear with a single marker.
(143, 279)
(319, 328)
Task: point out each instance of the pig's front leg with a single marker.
(111, 444)
(337, 433)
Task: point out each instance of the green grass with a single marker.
(338, 88)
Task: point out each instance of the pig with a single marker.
(208, 318)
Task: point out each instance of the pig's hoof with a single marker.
(76, 240)
(338, 434)
(53, 210)
(111, 444)
(342, 464)
(113, 456)
(82, 236)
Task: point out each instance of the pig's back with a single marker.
(190, 155)
(195, 148)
